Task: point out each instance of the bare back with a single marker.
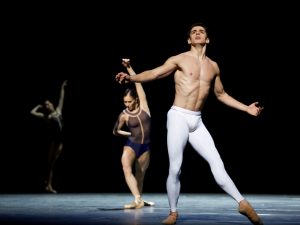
(193, 80)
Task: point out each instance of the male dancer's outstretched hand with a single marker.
(122, 77)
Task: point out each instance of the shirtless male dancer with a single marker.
(194, 74)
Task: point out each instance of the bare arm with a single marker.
(252, 109)
(139, 88)
(117, 131)
(61, 97)
(35, 111)
(149, 75)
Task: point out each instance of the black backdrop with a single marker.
(254, 46)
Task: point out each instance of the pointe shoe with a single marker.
(247, 210)
(135, 205)
(171, 219)
(130, 205)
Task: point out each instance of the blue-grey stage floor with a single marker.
(106, 209)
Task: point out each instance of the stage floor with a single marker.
(106, 209)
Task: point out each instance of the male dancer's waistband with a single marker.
(196, 113)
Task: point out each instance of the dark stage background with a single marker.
(256, 50)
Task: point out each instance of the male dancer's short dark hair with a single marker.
(195, 25)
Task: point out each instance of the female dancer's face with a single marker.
(130, 102)
(49, 106)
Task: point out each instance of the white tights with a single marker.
(187, 126)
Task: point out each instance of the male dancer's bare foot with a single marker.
(171, 219)
(247, 210)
